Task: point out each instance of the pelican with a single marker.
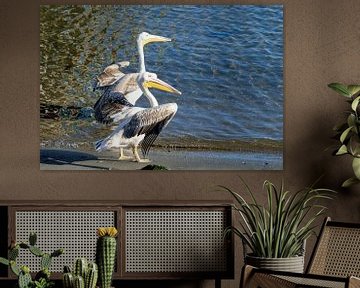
(142, 125)
(112, 79)
(110, 75)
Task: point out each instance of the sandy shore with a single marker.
(58, 159)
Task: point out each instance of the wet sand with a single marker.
(59, 159)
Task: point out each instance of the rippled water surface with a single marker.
(226, 60)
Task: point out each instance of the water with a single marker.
(226, 60)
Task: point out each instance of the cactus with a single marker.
(45, 261)
(24, 246)
(91, 276)
(24, 278)
(44, 273)
(13, 253)
(105, 254)
(67, 269)
(36, 251)
(32, 239)
(68, 280)
(87, 272)
(80, 268)
(14, 268)
(79, 282)
(57, 253)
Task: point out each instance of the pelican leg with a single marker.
(122, 156)
(137, 157)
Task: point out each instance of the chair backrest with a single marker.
(337, 251)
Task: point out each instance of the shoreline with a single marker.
(172, 159)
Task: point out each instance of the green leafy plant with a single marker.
(279, 229)
(43, 283)
(42, 278)
(348, 132)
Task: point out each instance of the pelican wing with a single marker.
(130, 83)
(109, 104)
(110, 75)
(150, 122)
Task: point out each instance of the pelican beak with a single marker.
(155, 38)
(161, 85)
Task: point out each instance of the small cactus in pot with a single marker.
(106, 254)
(85, 275)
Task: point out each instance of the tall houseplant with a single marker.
(348, 132)
(278, 230)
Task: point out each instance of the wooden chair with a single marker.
(335, 262)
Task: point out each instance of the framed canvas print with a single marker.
(180, 87)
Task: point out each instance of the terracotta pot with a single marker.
(291, 264)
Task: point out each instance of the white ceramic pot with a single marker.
(291, 264)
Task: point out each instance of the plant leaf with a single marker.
(342, 150)
(349, 182)
(354, 145)
(353, 89)
(340, 88)
(355, 103)
(356, 167)
(341, 127)
(345, 134)
(351, 120)
(4, 261)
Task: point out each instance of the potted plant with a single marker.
(276, 233)
(42, 278)
(348, 132)
(106, 254)
(84, 274)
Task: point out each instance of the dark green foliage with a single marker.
(154, 167)
(67, 269)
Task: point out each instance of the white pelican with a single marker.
(142, 125)
(113, 79)
(110, 75)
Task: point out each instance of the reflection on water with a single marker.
(226, 60)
